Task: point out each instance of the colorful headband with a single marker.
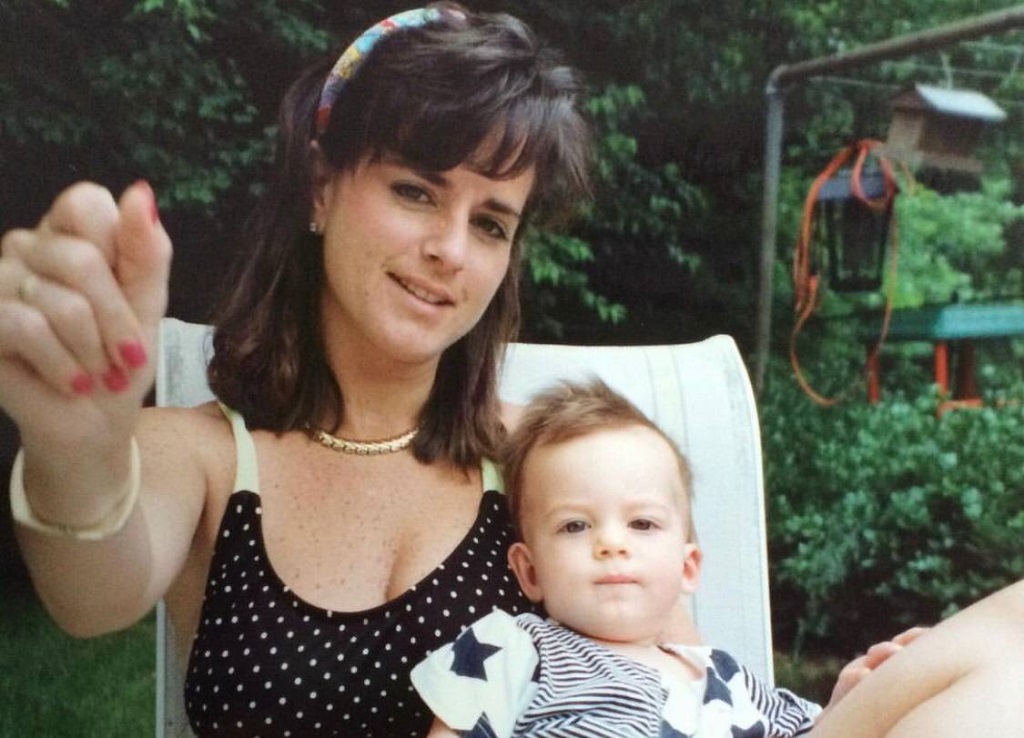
(353, 56)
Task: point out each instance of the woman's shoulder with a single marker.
(187, 441)
(197, 424)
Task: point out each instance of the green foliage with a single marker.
(164, 89)
(954, 245)
(633, 227)
(639, 206)
(886, 516)
(810, 677)
(704, 83)
(953, 248)
(554, 268)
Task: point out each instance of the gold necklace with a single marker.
(364, 448)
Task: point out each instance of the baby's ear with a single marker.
(521, 561)
(692, 558)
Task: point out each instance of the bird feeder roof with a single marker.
(958, 103)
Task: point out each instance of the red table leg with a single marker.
(874, 391)
(942, 366)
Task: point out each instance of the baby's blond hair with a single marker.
(570, 410)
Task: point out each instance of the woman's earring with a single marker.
(314, 228)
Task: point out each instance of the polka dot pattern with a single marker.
(265, 663)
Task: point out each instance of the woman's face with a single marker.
(412, 258)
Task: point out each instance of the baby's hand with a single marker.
(855, 671)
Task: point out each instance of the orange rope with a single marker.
(806, 281)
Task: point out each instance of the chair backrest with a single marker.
(699, 393)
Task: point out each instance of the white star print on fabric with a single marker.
(505, 690)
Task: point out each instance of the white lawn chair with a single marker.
(699, 393)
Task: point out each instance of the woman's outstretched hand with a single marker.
(81, 297)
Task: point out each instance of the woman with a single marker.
(318, 561)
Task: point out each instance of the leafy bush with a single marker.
(171, 90)
(954, 246)
(886, 516)
(627, 244)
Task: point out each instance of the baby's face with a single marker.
(604, 530)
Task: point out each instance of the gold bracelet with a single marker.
(110, 525)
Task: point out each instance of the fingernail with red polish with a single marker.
(82, 384)
(133, 353)
(154, 214)
(115, 379)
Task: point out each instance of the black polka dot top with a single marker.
(266, 663)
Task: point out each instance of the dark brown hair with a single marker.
(432, 96)
(571, 410)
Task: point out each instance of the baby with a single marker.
(601, 499)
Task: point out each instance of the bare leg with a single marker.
(986, 702)
(963, 677)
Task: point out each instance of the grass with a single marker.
(811, 677)
(54, 686)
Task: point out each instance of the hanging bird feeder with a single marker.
(939, 127)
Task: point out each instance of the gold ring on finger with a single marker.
(27, 287)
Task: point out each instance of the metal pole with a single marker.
(769, 228)
(894, 48)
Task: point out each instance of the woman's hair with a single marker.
(571, 410)
(468, 88)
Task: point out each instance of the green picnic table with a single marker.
(950, 328)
